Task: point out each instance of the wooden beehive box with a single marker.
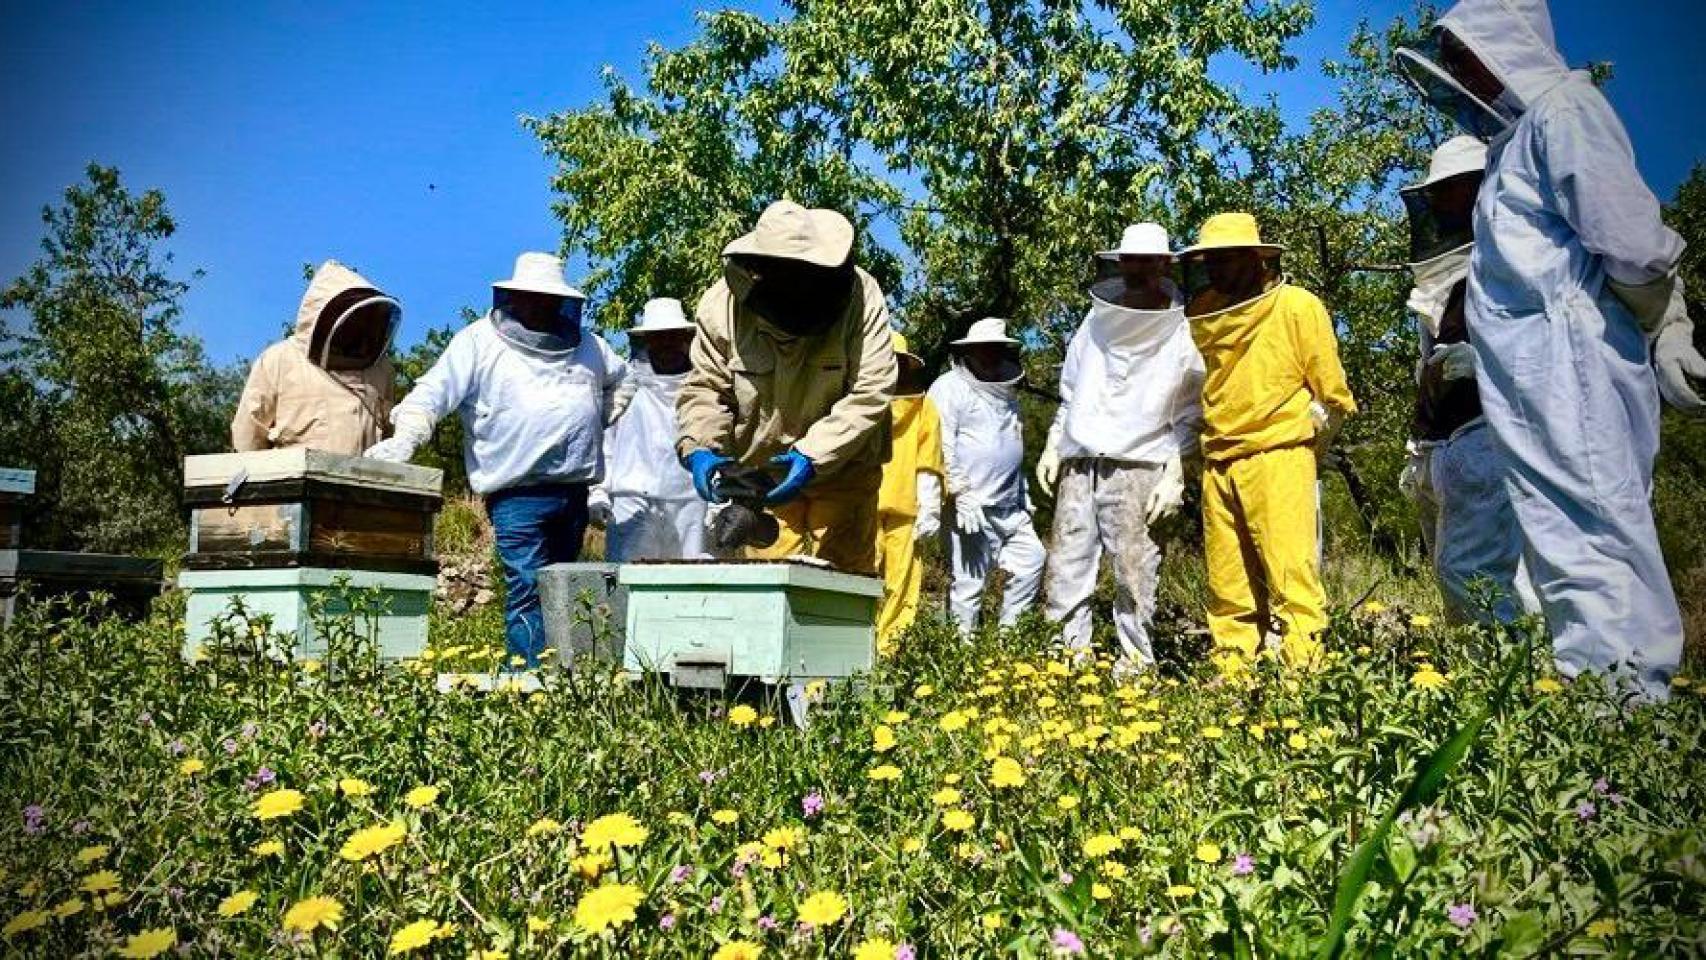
(707, 622)
(310, 508)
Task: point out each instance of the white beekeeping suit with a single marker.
(982, 446)
(1131, 407)
(1574, 301)
(1459, 468)
(647, 500)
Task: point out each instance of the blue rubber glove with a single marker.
(703, 465)
(800, 473)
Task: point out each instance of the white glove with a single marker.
(598, 507)
(968, 514)
(411, 428)
(1048, 466)
(928, 523)
(1327, 422)
(1168, 494)
(1410, 478)
(1456, 361)
(1675, 360)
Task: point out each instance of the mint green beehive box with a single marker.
(704, 623)
(285, 593)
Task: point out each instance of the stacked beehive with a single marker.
(279, 528)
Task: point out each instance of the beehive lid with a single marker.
(298, 463)
(712, 574)
(17, 482)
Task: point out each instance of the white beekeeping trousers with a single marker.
(1100, 507)
(646, 528)
(1009, 541)
(1476, 544)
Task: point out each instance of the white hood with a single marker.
(1514, 39)
(1434, 279)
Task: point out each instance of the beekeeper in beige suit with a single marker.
(329, 386)
(793, 370)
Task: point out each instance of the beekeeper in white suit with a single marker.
(646, 501)
(1131, 408)
(1575, 305)
(982, 446)
(1457, 468)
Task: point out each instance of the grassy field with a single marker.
(962, 800)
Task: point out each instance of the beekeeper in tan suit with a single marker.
(329, 386)
(793, 370)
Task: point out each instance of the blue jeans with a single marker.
(533, 526)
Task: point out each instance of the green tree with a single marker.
(109, 393)
(984, 148)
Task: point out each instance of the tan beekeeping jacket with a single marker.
(754, 391)
(290, 401)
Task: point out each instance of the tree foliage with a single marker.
(984, 148)
(100, 391)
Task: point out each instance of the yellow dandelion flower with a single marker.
(953, 721)
(544, 827)
(149, 943)
(24, 923)
(823, 908)
(896, 717)
(537, 924)
(190, 766)
(739, 950)
(1181, 890)
(607, 906)
(1427, 678)
(238, 903)
(69, 908)
(1101, 891)
(725, 817)
(1374, 607)
(89, 855)
(614, 830)
(306, 916)
(875, 948)
(1208, 853)
(1212, 733)
(1297, 741)
(958, 821)
(422, 797)
(945, 797)
(884, 773)
(355, 787)
(1602, 928)
(911, 845)
(277, 803)
(742, 715)
(1547, 685)
(1102, 845)
(370, 841)
(882, 738)
(1421, 621)
(991, 921)
(1114, 870)
(268, 848)
(99, 882)
(1006, 772)
(1066, 802)
(767, 721)
(413, 937)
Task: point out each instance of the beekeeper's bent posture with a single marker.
(793, 372)
(1457, 469)
(1273, 396)
(1131, 406)
(532, 389)
(1579, 326)
(329, 386)
(982, 445)
(646, 500)
(909, 505)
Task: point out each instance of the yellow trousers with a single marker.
(903, 578)
(1259, 534)
(839, 527)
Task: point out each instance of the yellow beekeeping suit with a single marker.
(917, 448)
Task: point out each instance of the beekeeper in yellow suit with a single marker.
(909, 503)
(1273, 397)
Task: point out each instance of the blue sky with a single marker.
(291, 132)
